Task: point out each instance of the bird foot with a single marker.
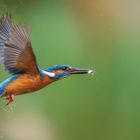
(10, 99)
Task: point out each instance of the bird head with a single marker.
(61, 71)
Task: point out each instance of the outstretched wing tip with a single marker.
(14, 43)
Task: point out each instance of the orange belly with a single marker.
(27, 83)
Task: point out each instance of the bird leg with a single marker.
(10, 98)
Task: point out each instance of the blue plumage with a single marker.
(61, 75)
(57, 67)
(6, 82)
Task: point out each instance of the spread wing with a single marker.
(16, 54)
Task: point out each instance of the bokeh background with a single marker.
(100, 34)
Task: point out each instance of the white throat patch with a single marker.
(50, 74)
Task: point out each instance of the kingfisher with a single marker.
(18, 59)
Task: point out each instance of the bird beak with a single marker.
(81, 71)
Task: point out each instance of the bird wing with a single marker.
(16, 54)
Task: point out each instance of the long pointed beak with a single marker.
(81, 71)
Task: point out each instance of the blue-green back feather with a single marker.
(6, 82)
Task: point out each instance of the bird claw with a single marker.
(10, 99)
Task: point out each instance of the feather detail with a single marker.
(5, 83)
(16, 54)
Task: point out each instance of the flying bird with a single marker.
(18, 59)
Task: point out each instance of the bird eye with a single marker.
(65, 68)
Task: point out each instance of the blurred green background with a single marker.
(100, 34)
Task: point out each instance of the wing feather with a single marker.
(16, 54)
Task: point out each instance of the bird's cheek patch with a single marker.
(58, 72)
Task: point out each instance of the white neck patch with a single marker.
(50, 74)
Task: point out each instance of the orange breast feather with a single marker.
(27, 83)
